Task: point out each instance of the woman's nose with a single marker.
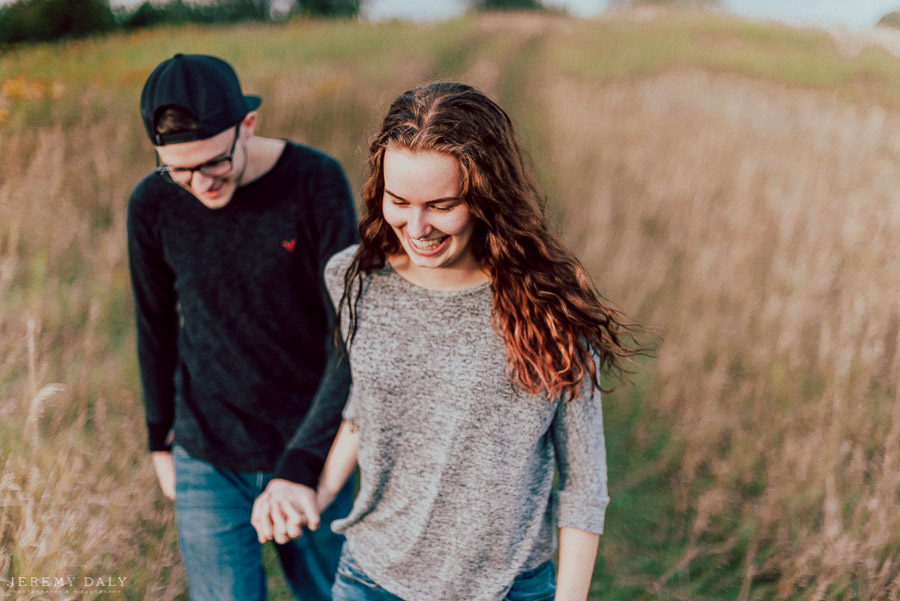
(418, 226)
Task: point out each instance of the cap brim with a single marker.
(253, 102)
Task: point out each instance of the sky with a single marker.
(852, 14)
(849, 14)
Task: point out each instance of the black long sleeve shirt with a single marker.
(234, 326)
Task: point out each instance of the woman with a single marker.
(476, 344)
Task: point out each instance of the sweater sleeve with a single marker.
(153, 284)
(334, 222)
(582, 497)
(305, 454)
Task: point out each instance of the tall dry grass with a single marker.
(754, 222)
(759, 228)
(75, 497)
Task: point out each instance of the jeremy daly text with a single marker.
(59, 582)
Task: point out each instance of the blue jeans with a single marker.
(352, 584)
(223, 557)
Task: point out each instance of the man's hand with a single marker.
(282, 510)
(165, 472)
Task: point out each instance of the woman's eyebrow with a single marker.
(428, 202)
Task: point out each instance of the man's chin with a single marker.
(216, 201)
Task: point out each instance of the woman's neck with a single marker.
(456, 277)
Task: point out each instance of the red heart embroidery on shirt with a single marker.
(289, 245)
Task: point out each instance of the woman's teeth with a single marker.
(426, 244)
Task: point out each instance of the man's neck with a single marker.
(262, 154)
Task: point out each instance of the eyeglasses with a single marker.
(217, 167)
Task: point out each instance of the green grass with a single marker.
(795, 57)
(647, 532)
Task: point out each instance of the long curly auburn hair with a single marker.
(545, 307)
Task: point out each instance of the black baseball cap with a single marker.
(205, 86)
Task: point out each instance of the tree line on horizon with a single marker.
(23, 21)
(892, 19)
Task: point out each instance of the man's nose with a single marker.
(201, 182)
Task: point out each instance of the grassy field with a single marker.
(729, 183)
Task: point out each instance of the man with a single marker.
(227, 242)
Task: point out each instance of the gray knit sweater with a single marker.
(457, 462)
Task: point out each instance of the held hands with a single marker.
(279, 513)
(282, 510)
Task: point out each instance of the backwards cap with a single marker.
(205, 86)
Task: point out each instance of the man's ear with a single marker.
(248, 124)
